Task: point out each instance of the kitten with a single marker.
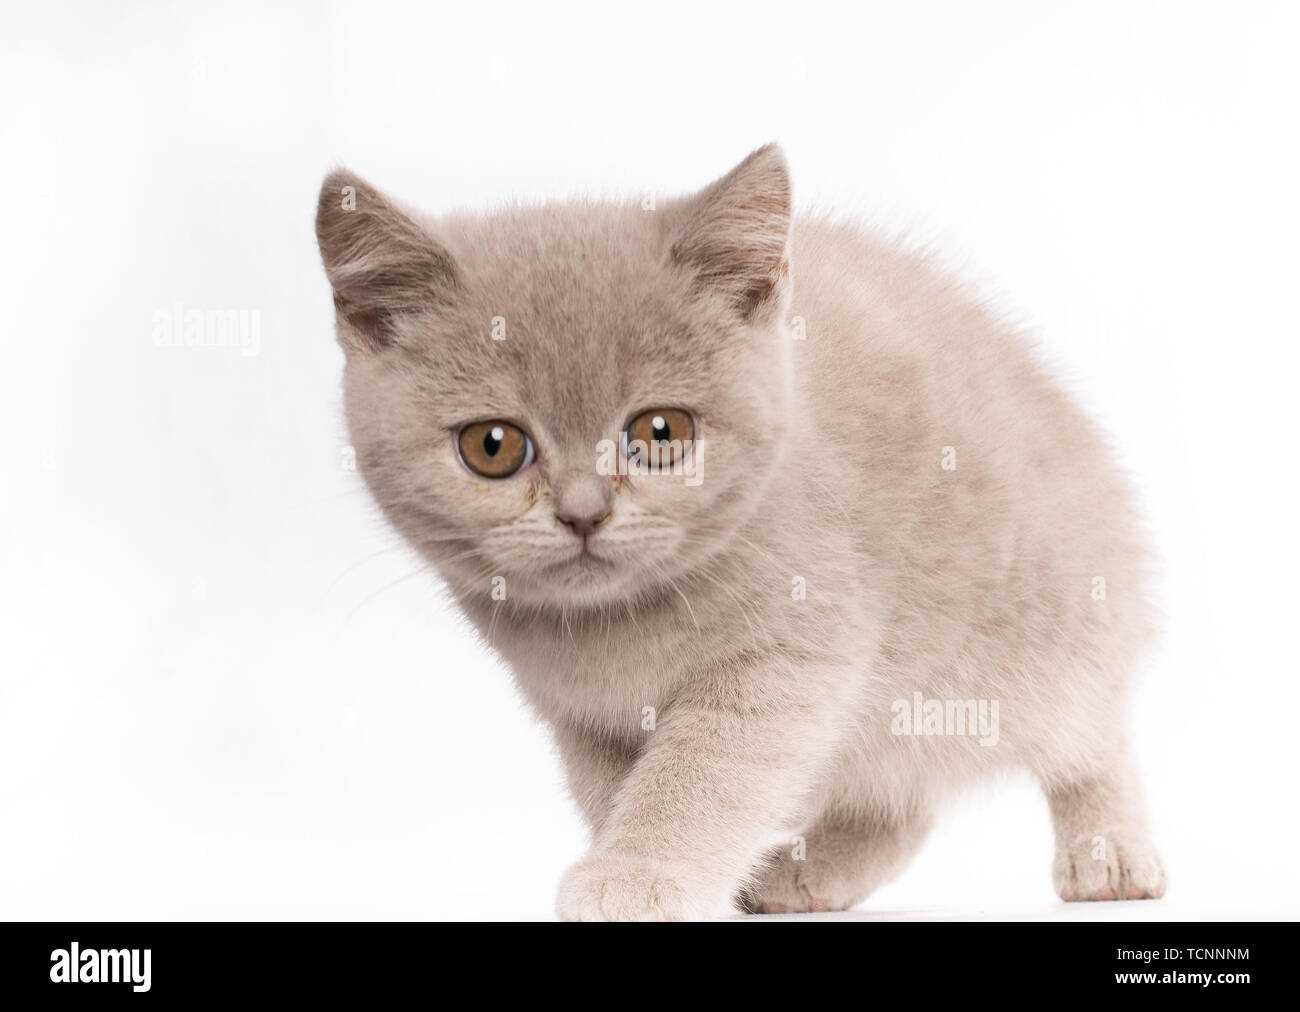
(905, 560)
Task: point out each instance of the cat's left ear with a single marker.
(735, 235)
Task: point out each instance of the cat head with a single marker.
(513, 379)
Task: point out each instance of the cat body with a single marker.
(906, 560)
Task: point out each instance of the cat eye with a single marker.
(495, 449)
(660, 436)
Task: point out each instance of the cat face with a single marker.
(512, 379)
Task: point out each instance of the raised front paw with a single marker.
(621, 887)
(1108, 868)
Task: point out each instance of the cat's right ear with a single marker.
(381, 264)
(735, 235)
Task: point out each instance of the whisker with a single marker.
(382, 590)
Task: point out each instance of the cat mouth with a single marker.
(584, 560)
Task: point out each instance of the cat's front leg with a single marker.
(840, 861)
(595, 766)
(723, 777)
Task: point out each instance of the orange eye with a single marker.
(661, 436)
(495, 449)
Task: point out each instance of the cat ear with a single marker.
(381, 264)
(735, 234)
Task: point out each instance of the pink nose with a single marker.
(584, 525)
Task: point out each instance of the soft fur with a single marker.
(773, 776)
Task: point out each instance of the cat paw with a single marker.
(621, 887)
(1108, 868)
(795, 887)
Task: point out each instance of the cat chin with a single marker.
(578, 587)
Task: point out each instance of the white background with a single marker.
(228, 692)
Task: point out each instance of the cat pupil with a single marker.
(492, 441)
(659, 429)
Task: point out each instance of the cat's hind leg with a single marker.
(836, 865)
(1103, 848)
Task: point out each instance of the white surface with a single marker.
(226, 690)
